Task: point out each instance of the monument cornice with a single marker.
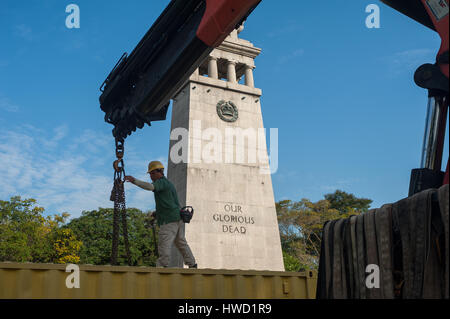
(224, 85)
(237, 48)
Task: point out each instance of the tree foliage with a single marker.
(94, 229)
(347, 203)
(26, 235)
(301, 223)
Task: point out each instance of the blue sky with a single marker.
(342, 96)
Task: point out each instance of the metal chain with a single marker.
(155, 243)
(118, 196)
(149, 223)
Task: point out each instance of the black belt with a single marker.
(400, 214)
(331, 259)
(348, 258)
(338, 280)
(322, 278)
(361, 256)
(371, 249)
(443, 195)
(354, 257)
(383, 223)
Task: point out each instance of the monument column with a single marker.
(249, 76)
(212, 68)
(231, 71)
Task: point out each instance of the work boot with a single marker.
(194, 266)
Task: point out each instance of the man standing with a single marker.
(171, 227)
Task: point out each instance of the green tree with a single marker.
(300, 226)
(94, 229)
(348, 204)
(27, 236)
(290, 262)
(301, 223)
(20, 225)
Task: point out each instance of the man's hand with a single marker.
(129, 179)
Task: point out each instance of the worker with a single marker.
(171, 227)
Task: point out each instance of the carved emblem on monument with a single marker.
(227, 111)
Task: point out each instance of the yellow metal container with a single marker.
(27, 280)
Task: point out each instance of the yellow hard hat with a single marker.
(154, 165)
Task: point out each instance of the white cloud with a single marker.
(23, 31)
(7, 105)
(410, 60)
(63, 173)
(340, 184)
(291, 56)
(285, 30)
(58, 134)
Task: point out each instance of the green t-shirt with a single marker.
(166, 199)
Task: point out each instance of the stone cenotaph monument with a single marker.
(218, 163)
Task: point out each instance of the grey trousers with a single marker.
(170, 234)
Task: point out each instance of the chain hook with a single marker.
(118, 164)
(120, 148)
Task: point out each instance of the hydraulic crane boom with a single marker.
(435, 78)
(140, 86)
